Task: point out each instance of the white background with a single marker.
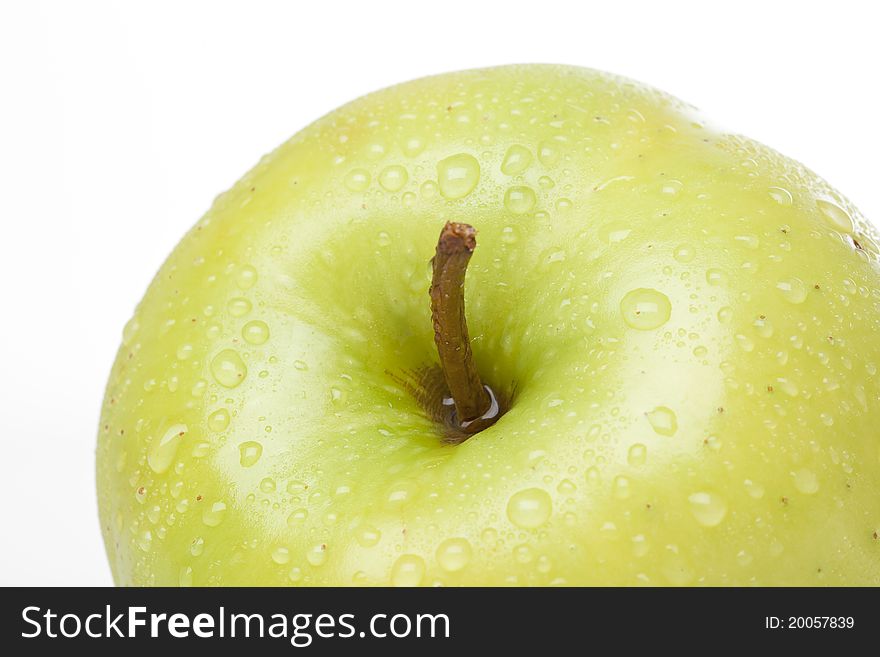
(119, 123)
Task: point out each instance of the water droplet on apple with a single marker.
(246, 278)
(671, 188)
(184, 352)
(239, 307)
(218, 420)
(144, 540)
(197, 546)
(367, 536)
(640, 545)
(458, 175)
(516, 160)
(781, 196)
(708, 508)
(408, 570)
(663, 421)
(523, 554)
(529, 508)
(453, 554)
(255, 332)
(621, 487)
(725, 314)
(295, 574)
(228, 368)
(793, 290)
(317, 554)
(763, 327)
(393, 178)
(249, 453)
(297, 517)
(684, 253)
(300, 365)
(716, 277)
(383, 239)
(163, 450)
(548, 153)
(806, 481)
(745, 342)
(755, 490)
(614, 232)
(637, 455)
(520, 199)
(267, 485)
(357, 180)
(281, 555)
(645, 309)
(508, 235)
(836, 216)
(213, 515)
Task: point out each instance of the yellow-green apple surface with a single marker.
(682, 326)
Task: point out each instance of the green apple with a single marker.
(684, 326)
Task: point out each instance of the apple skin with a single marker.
(686, 320)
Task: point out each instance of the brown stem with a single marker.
(474, 402)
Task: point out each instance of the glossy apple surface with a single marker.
(687, 324)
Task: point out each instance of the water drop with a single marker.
(755, 490)
(663, 421)
(519, 200)
(239, 307)
(614, 232)
(184, 352)
(453, 554)
(197, 546)
(297, 517)
(255, 332)
(684, 253)
(806, 481)
(408, 570)
(249, 453)
(357, 180)
(246, 278)
(300, 365)
(218, 420)
(640, 545)
(214, 515)
(645, 309)
(637, 455)
(457, 175)
(621, 488)
(267, 485)
(745, 342)
(529, 508)
(228, 368)
(367, 536)
(836, 216)
(548, 153)
(781, 196)
(671, 188)
(163, 450)
(317, 554)
(708, 508)
(516, 160)
(716, 277)
(793, 290)
(281, 555)
(763, 327)
(725, 314)
(393, 178)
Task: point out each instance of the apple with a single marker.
(680, 327)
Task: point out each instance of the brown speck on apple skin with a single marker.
(198, 498)
(784, 500)
(769, 388)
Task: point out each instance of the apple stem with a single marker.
(475, 404)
